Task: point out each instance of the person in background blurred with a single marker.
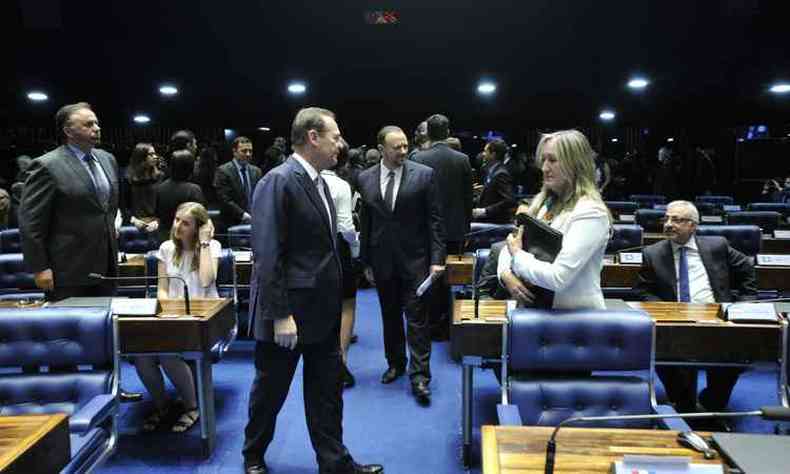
(176, 190)
(206, 169)
(139, 188)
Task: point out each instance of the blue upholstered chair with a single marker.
(650, 219)
(768, 221)
(745, 238)
(239, 236)
(226, 288)
(709, 208)
(717, 200)
(16, 281)
(10, 241)
(782, 208)
(133, 240)
(482, 235)
(624, 236)
(84, 337)
(647, 201)
(551, 362)
(622, 207)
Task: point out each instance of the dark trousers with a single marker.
(397, 295)
(680, 384)
(440, 310)
(323, 402)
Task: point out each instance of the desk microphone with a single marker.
(98, 276)
(775, 413)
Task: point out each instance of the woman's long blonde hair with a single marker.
(577, 162)
(199, 214)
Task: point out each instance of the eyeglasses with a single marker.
(676, 220)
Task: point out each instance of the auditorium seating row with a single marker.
(650, 219)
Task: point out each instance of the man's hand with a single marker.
(369, 275)
(246, 218)
(285, 332)
(514, 241)
(436, 269)
(45, 280)
(478, 212)
(517, 289)
(152, 226)
(206, 231)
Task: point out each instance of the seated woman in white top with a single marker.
(191, 254)
(569, 202)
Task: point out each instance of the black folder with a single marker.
(544, 242)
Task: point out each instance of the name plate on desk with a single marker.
(135, 306)
(782, 234)
(751, 312)
(631, 257)
(731, 208)
(773, 260)
(712, 219)
(639, 464)
(627, 217)
(242, 255)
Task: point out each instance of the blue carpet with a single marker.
(382, 423)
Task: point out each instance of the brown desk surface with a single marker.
(33, 444)
(522, 449)
(198, 333)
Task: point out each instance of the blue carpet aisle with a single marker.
(382, 424)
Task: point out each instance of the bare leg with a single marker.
(151, 376)
(347, 326)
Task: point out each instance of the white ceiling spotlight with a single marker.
(780, 88)
(37, 96)
(141, 119)
(638, 83)
(606, 115)
(486, 88)
(168, 90)
(297, 88)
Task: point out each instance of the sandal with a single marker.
(154, 421)
(186, 421)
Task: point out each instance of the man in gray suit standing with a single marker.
(296, 298)
(68, 210)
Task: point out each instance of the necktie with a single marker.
(100, 184)
(245, 183)
(683, 277)
(388, 192)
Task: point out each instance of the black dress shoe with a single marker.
(127, 397)
(348, 378)
(354, 339)
(391, 374)
(368, 468)
(256, 468)
(421, 392)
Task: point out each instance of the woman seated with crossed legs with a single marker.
(191, 254)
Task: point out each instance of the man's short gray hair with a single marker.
(690, 208)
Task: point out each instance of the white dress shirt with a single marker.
(313, 174)
(340, 191)
(384, 178)
(699, 283)
(575, 275)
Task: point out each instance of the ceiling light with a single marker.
(297, 88)
(615, 140)
(37, 96)
(264, 129)
(638, 83)
(780, 88)
(168, 90)
(670, 139)
(486, 88)
(141, 118)
(606, 115)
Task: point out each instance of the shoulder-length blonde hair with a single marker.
(199, 214)
(576, 160)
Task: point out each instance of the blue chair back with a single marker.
(709, 208)
(482, 235)
(239, 236)
(745, 238)
(481, 257)
(768, 221)
(782, 208)
(717, 200)
(133, 240)
(14, 275)
(622, 207)
(648, 200)
(624, 236)
(650, 219)
(551, 356)
(10, 241)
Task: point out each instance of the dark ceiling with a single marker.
(556, 63)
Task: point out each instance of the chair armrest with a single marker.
(675, 424)
(508, 415)
(93, 413)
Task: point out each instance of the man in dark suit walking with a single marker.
(295, 298)
(696, 269)
(235, 181)
(402, 242)
(453, 176)
(496, 200)
(68, 209)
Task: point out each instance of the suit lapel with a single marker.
(109, 173)
(404, 182)
(376, 191)
(312, 194)
(74, 163)
(668, 262)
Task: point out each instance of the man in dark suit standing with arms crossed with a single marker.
(453, 176)
(295, 299)
(402, 242)
(695, 269)
(68, 210)
(235, 181)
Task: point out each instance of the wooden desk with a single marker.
(459, 269)
(33, 444)
(522, 449)
(686, 334)
(191, 337)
